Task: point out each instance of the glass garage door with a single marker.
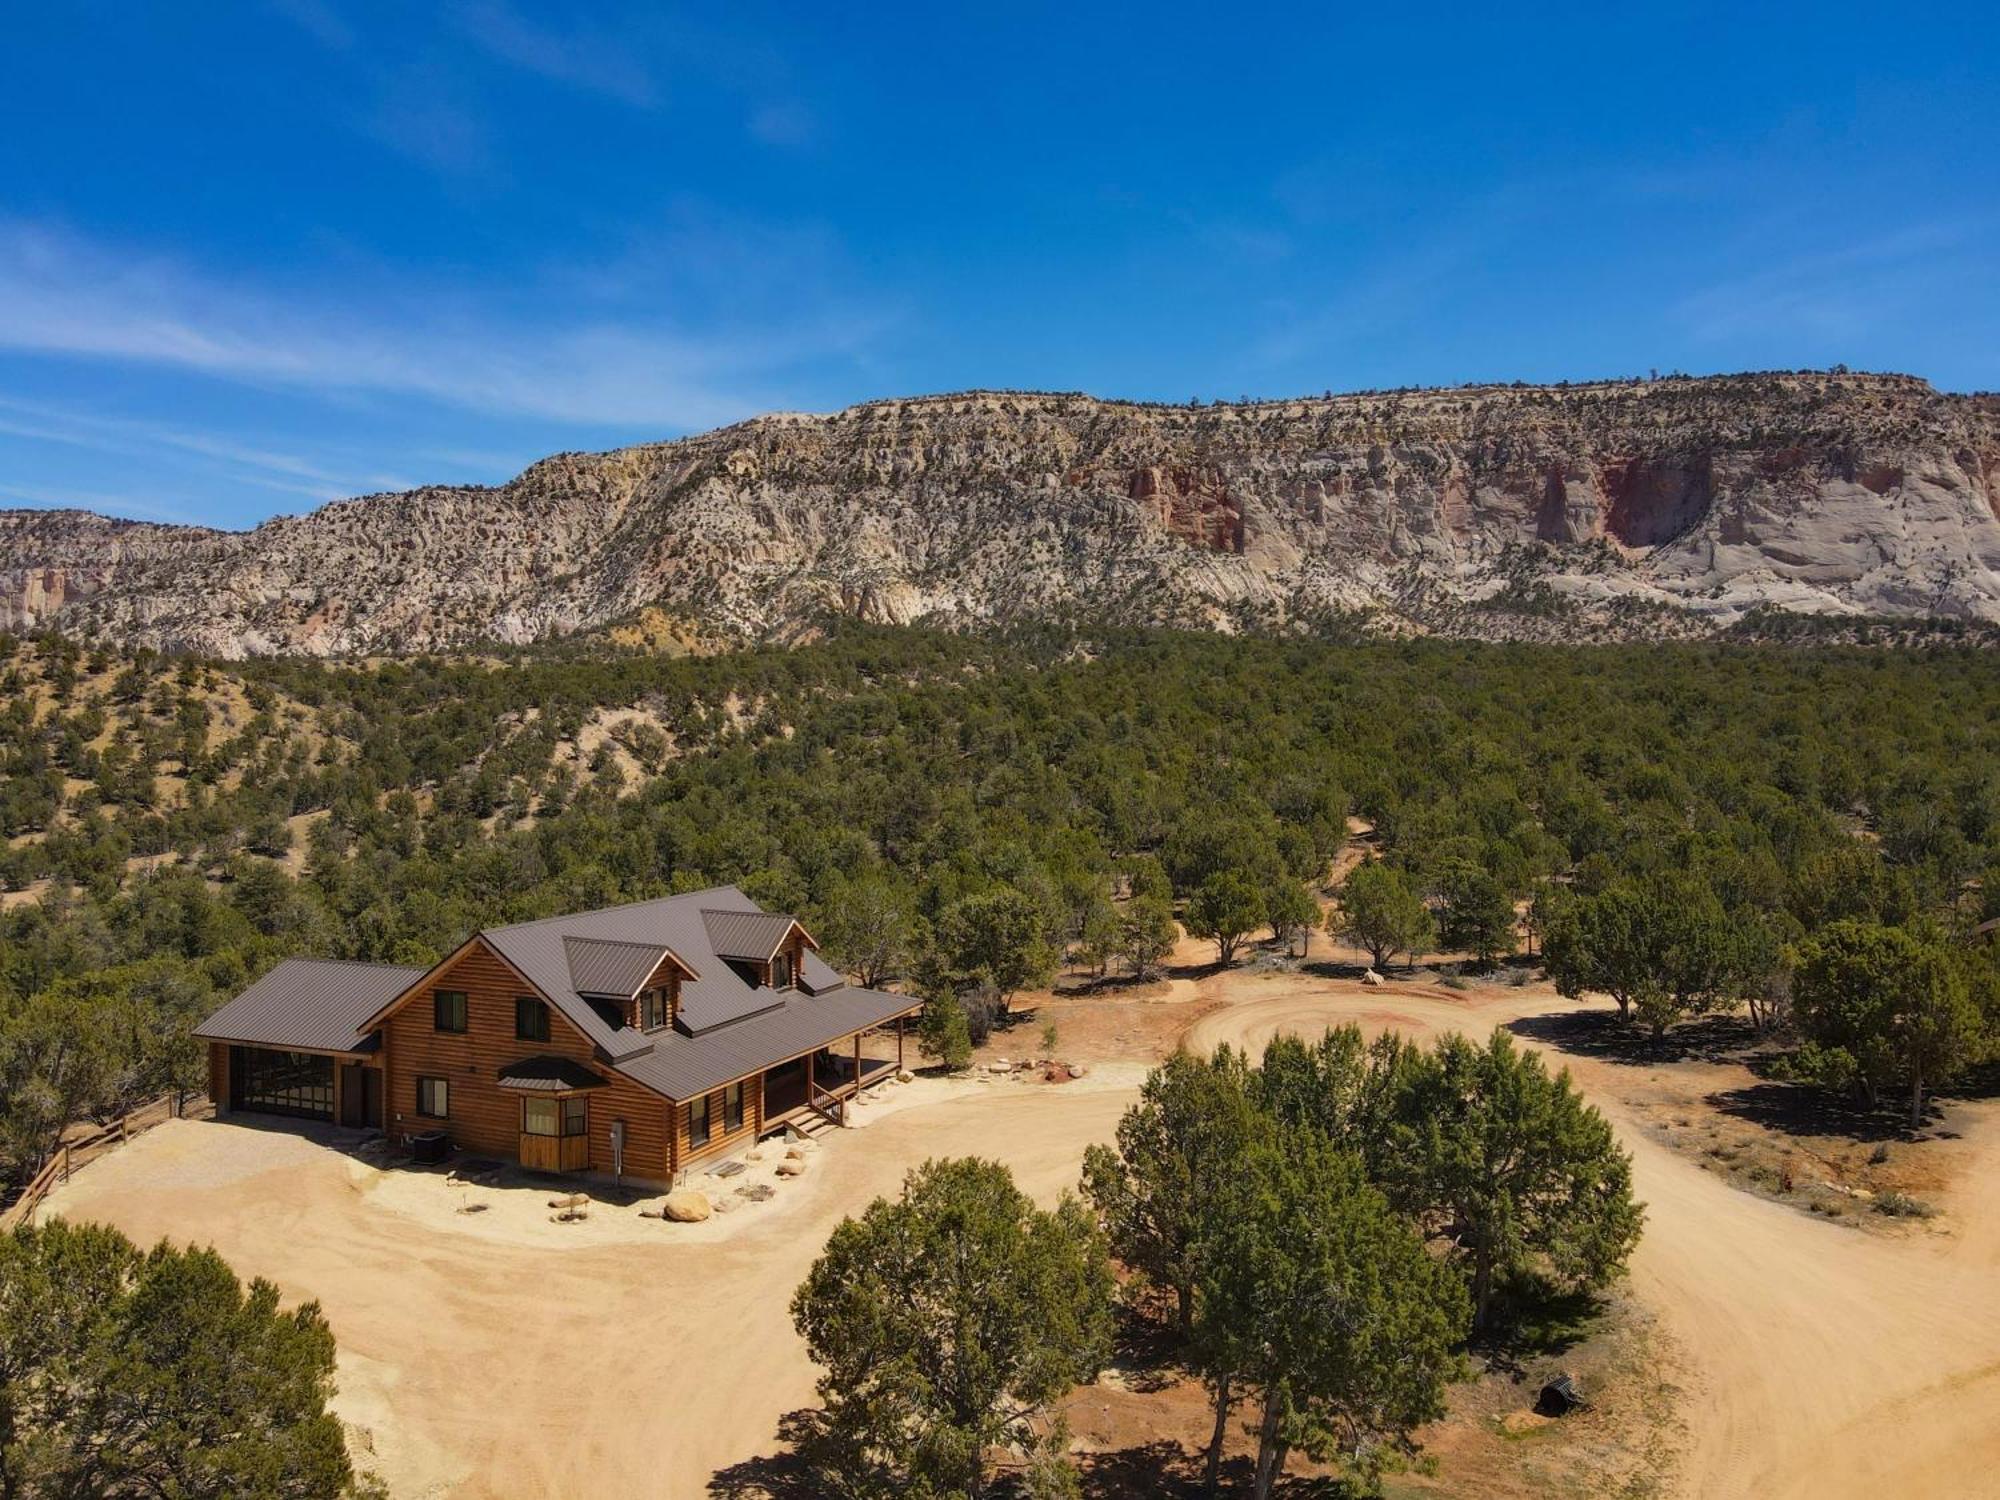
(281, 1083)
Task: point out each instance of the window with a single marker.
(570, 1117)
(732, 1108)
(781, 972)
(434, 1098)
(653, 1009)
(448, 1010)
(531, 1019)
(698, 1121)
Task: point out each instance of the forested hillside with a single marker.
(176, 826)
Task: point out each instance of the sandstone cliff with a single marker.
(1664, 505)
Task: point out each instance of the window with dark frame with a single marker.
(448, 1010)
(698, 1121)
(653, 1009)
(434, 1098)
(531, 1019)
(576, 1117)
(781, 972)
(732, 1108)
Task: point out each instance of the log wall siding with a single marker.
(218, 1076)
(486, 1118)
(720, 1141)
(667, 977)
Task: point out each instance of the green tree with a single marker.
(158, 1374)
(1476, 915)
(1880, 1004)
(1174, 1148)
(949, 1322)
(1381, 912)
(943, 1032)
(1292, 912)
(1511, 1168)
(867, 927)
(997, 936)
(1318, 1299)
(1227, 908)
(63, 1052)
(1147, 934)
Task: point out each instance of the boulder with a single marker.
(792, 1167)
(686, 1206)
(1000, 1065)
(1370, 977)
(906, 1076)
(1077, 1070)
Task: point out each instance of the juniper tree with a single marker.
(949, 1321)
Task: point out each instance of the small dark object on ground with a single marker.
(727, 1169)
(1560, 1397)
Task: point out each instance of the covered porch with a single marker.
(819, 1084)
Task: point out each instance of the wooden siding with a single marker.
(486, 1118)
(218, 1076)
(721, 1141)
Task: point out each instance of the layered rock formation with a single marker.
(1634, 506)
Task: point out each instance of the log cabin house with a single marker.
(638, 1041)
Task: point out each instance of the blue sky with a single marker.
(254, 257)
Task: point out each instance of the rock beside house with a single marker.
(686, 1206)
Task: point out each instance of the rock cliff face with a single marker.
(1672, 504)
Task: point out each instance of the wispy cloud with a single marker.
(1837, 293)
(586, 59)
(629, 365)
(105, 502)
(268, 468)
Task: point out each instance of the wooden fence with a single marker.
(77, 1150)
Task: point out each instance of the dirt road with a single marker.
(1824, 1362)
(483, 1368)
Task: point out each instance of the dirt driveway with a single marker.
(1824, 1362)
(1821, 1361)
(481, 1367)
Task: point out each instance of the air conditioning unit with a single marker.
(430, 1147)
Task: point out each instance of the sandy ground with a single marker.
(1822, 1361)
(494, 1354)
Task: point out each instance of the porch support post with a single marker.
(857, 1065)
(899, 1044)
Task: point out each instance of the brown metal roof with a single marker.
(683, 1066)
(315, 1003)
(609, 967)
(727, 1025)
(749, 935)
(549, 1075)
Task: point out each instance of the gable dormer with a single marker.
(765, 947)
(631, 982)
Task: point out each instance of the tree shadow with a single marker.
(1534, 1320)
(1145, 1348)
(786, 1475)
(1805, 1109)
(1601, 1035)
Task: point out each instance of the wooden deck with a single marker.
(785, 1099)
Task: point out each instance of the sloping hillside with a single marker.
(1643, 507)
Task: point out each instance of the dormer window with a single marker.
(654, 1011)
(781, 972)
